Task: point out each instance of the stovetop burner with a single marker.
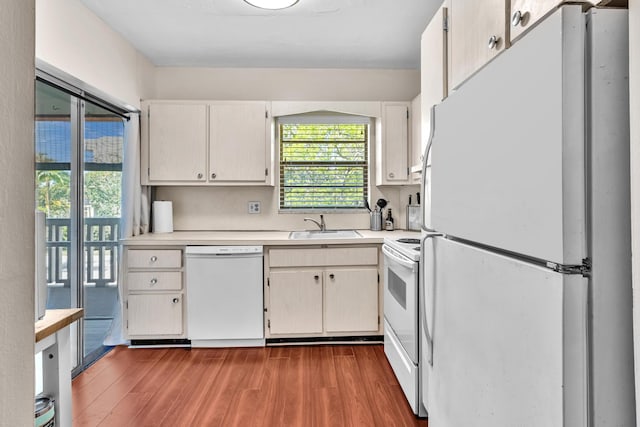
(409, 240)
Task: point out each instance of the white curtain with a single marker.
(135, 212)
(135, 197)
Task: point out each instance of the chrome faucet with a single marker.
(321, 224)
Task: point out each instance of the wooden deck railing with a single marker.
(101, 255)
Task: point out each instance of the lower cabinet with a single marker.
(154, 294)
(295, 302)
(322, 292)
(351, 300)
(155, 314)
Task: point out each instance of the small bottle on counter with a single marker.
(388, 223)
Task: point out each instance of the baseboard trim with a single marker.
(366, 339)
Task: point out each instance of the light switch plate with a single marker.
(254, 207)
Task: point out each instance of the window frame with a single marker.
(325, 117)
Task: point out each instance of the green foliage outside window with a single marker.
(323, 166)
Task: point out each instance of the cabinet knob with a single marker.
(213, 176)
(316, 277)
(516, 18)
(493, 42)
(175, 300)
(153, 281)
(332, 276)
(199, 176)
(392, 175)
(519, 18)
(154, 258)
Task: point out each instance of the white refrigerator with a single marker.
(526, 316)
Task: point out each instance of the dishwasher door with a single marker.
(224, 295)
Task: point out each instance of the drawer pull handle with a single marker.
(213, 176)
(200, 176)
(153, 281)
(154, 258)
(332, 276)
(175, 300)
(316, 277)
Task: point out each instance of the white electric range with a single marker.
(401, 314)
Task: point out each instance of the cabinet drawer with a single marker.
(154, 258)
(154, 281)
(322, 257)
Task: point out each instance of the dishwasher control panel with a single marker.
(223, 250)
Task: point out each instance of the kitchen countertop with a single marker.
(264, 238)
(54, 320)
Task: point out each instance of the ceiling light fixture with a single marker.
(272, 4)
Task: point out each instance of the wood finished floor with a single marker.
(337, 385)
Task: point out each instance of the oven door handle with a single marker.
(405, 263)
(423, 308)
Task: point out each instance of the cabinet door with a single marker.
(177, 142)
(238, 144)
(351, 300)
(478, 30)
(434, 68)
(416, 137)
(295, 302)
(155, 314)
(393, 157)
(526, 13)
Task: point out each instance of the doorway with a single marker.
(78, 159)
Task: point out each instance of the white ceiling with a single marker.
(311, 34)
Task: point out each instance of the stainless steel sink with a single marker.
(326, 234)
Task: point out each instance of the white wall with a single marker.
(71, 38)
(634, 99)
(225, 208)
(16, 213)
(286, 84)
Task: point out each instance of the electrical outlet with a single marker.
(254, 207)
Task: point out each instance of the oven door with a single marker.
(401, 299)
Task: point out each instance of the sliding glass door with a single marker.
(101, 194)
(78, 155)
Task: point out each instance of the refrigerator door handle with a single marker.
(423, 307)
(425, 160)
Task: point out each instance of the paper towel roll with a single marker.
(162, 217)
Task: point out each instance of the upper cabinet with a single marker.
(464, 35)
(434, 76)
(177, 142)
(238, 149)
(526, 13)
(392, 162)
(478, 34)
(415, 159)
(206, 143)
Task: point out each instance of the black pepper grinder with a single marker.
(388, 223)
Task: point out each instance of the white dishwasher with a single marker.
(224, 296)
